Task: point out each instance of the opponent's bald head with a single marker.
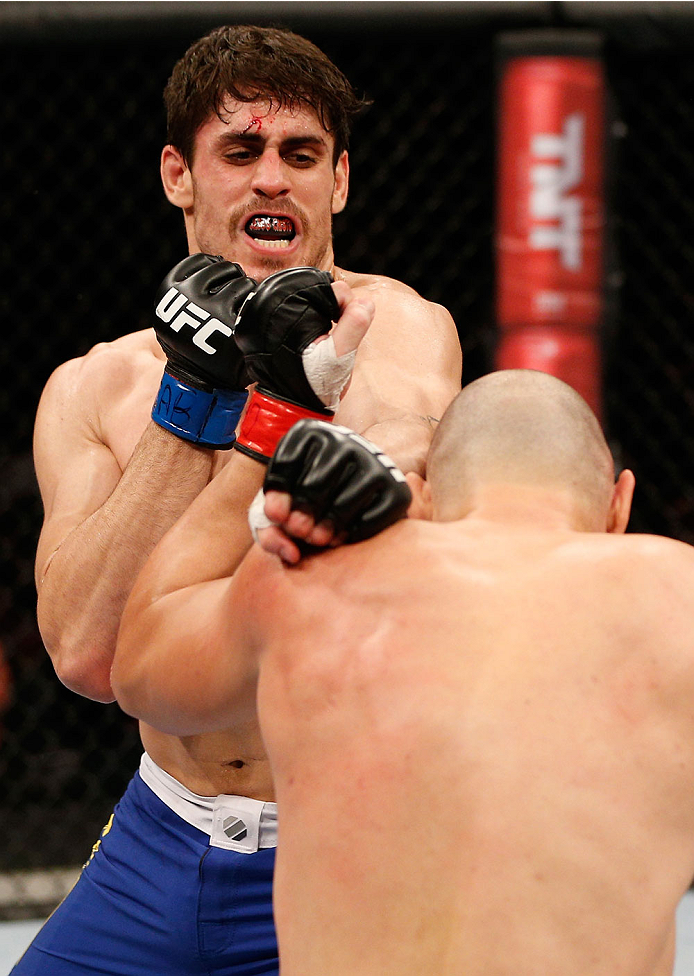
(519, 427)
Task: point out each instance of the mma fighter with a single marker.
(480, 727)
(258, 126)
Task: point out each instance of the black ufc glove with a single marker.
(333, 473)
(202, 393)
(286, 313)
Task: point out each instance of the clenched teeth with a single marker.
(278, 245)
(266, 227)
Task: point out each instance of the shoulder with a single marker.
(389, 294)
(262, 588)
(646, 552)
(409, 330)
(375, 283)
(331, 568)
(118, 364)
(654, 607)
(659, 557)
(123, 356)
(647, 569)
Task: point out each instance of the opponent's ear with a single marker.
(341, 188)
(421, 506)
(620, 507)
(176, 177)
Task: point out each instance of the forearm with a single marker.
(85, 583)
(210, 539)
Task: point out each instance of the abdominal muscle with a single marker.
(232, 762)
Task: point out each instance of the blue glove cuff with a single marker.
(205, 418)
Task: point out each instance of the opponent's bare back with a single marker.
(480, 729)
(487, 732)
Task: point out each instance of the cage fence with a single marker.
(88, 235)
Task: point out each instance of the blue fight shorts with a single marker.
(156, 899)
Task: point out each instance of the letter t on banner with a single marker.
(551, 206)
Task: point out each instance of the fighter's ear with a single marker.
(421, 505)
(176, 177)
(620, 507)
(341, 187)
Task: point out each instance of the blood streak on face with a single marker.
(254, 121)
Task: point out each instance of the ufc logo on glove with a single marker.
(175, 309)
(203, 389)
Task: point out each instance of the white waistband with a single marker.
(236, 823)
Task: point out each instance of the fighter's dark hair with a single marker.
(250, 63)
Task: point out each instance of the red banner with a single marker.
(551, 217)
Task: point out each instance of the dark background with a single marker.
(87, 235)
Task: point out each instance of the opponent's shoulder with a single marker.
(646, 568)
(640, 551)
(657, 555)
(643, 549)
(655, 577)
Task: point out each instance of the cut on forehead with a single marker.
(265, 112)
(263, 120)
(250, 63)
(521, 424)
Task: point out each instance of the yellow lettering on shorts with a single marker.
(96, 846)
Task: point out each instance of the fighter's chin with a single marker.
(260, 261)
(262, 270)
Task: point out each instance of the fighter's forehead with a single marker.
(266, 120)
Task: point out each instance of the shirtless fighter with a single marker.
(257, 160)
(480, 727)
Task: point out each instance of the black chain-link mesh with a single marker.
(87, 236)
(650, 381)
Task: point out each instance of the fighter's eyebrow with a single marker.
(258, 139)
(307, 140)
(227, 138)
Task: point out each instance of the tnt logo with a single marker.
(177, 311)
(558, 171)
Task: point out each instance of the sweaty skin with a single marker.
(113, 482)
(517, 797)
(480, 731)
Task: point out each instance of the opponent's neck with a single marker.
(531, 506)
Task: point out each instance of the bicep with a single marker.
(186, 663)
(410, 366)
(409, 371)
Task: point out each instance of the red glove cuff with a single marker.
(266, 420)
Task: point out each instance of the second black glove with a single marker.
(333, 473)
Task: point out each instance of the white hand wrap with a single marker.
(257, 519)
(327, 372)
